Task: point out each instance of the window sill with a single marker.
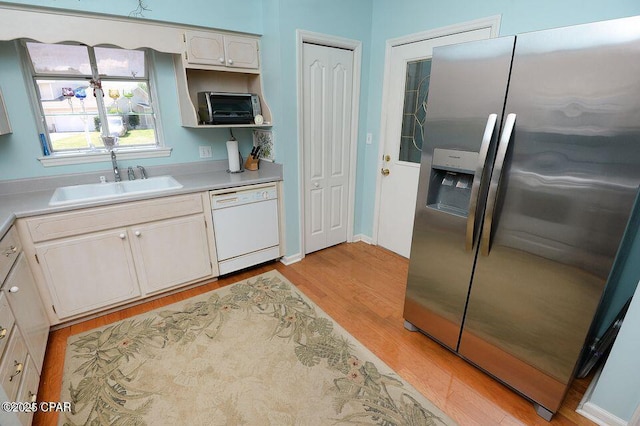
(102, 156)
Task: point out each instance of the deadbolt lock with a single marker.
(387, 158)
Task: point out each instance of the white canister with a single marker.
(233, 155)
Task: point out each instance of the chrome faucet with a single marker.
(116, 172)
(130, 174)
(143, 172)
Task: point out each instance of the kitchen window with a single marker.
(92, 97)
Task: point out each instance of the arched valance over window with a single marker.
(48, 25)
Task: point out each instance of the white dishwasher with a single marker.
(246, 227)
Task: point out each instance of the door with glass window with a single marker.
(405, 111)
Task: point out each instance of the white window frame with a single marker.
(100, 155)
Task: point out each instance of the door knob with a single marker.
(221, 59)
(316, 184)
(138, 233)
(122, 236)
(230, 61)
(385, 172)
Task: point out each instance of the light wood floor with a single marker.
(362, 288)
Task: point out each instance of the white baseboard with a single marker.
(594, 412)
(288, 260)
(364, 238)
(600, 416)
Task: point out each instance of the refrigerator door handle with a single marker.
(477, 179)
(496, 177)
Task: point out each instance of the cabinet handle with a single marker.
(230, 61)
(122, 236)
(221, 59)
(3, 333)
(10, 251)
(32, 397)
(19, 367)
(138, 233)
(14, 289)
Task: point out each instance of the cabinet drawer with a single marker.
(12, 365)
(6, 322)
(28, 390)
(10, 247)
(67, 224)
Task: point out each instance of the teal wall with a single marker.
(243, 16)
(370, 21)
(349, 19)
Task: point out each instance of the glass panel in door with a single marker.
(415, 110)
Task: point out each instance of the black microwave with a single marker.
(228, 108)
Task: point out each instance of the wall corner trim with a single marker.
(289, 260)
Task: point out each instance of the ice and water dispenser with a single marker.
(451, 180)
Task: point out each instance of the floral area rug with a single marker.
(257, 352)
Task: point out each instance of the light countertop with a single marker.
(30, 197)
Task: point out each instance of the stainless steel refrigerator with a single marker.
(529, 172)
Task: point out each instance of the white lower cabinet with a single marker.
(88, 272)
(95, 259)
(170, 252)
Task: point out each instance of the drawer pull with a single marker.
(3, 333)
(19, 368)
(11, 251)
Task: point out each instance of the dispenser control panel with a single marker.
(451, 159)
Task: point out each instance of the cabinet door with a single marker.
(88, 272)
(204, 48)
(241, 52)
(24, 299)
(171, 252)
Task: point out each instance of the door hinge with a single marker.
(184, 37)
(205, 223)
(186, 56)
(37, 260)
(54, 309)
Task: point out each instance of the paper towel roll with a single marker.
(234, 156)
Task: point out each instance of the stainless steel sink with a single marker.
(99, 191)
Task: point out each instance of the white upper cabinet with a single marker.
(241, 52)
(218, 62)
(214, 49)
(5, 126)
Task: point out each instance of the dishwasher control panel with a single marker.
(237, 198)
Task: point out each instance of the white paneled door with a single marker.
(406, 90)
(327, 119)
